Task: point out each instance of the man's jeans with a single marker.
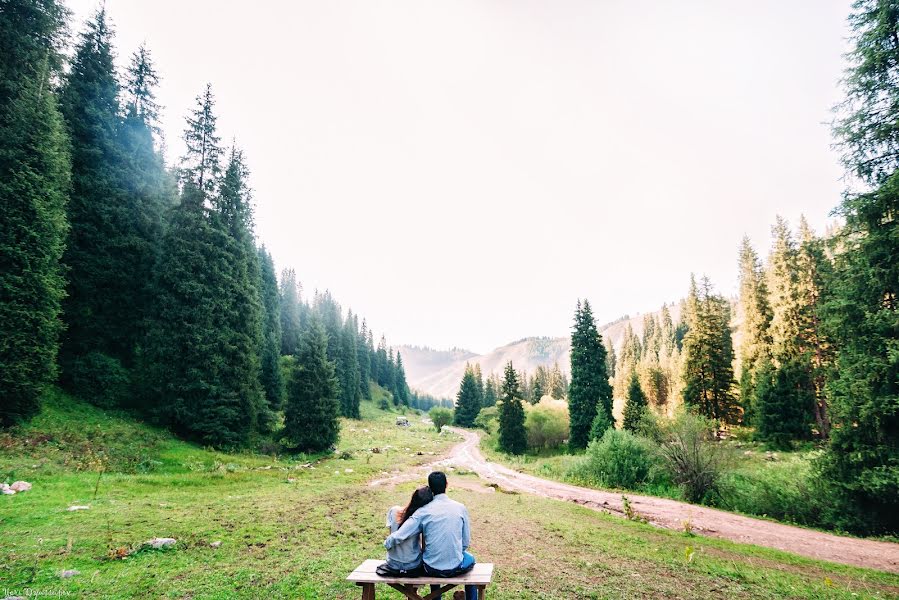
(471, 592)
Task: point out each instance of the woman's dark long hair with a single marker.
(420, 497)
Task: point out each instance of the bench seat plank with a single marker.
(481, 574)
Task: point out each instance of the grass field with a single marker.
(294, 527)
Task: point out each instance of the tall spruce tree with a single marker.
(364, 361)
(708, 354)
(350, 392)
(788, 349)
(491, 390)
(290, 312)
(589, 391)
(373, 362)
(34, 185)
(241, 320)
(635, 406)
(199, 361)
(202, 163)
(815, 271)
(537, 390)
(467, 402)
(390, 382)
(782, 402)
(754, 324)
(150, 191)
(513, 437)
(862, 311)
(99, 253)
(402, 386)
(310, 415)
(270, 353)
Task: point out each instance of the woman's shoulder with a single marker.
(392, 513)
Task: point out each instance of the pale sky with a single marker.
(461, 172)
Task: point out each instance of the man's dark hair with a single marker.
(437, 482)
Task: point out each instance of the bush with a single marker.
(619, 460)
(691, 455)
(783, 490)
(486, 418)
(547, 424)
(601, 424)
(440, 416)
(100, 379)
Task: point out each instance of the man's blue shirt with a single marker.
(444, 523)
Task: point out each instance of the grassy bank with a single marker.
(293, 527)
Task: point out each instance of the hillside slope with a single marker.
(438, 373)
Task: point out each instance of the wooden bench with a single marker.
(365, 576)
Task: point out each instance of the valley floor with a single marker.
(288, 530)
(675, 515)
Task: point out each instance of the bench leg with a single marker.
(482, 592)
(368, 591)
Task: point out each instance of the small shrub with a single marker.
(547, 425)
(486, 418)
(601, 424)
(440, 416)
(619, 460)
(786, 491)
(691, 456)
(383, 403)
(100, 379)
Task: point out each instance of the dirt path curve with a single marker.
(669, 514)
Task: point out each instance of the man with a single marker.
(444, 524)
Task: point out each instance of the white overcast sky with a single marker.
(461, 172)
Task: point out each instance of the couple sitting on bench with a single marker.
(429, 537)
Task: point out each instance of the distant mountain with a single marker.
(438, 372)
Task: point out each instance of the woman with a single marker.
(406, 556)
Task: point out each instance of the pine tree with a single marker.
(350, 392)
(402, 386)
(754, 324)
(636, 405)
(270, 352)
(290, 312)
(364, 361)
(589, 390)
(200, 360)
(558, 386)
(310, 415)
(390, 381)
(861, 463)
(479, 379)
(467, 402)
(373, 362)
(523, 386)
(240, 325)
(787, 308)
(99, 254)
(491, 391)
(150, 191)
(537, 391)
(708, 354)
(782, 401)
(201, 164)
(814, 272)
(34, 185)
(512, 434)
(383, 365)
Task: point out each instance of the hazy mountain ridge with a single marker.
(438, 372)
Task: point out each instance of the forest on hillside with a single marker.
(140, 285)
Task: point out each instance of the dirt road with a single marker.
(672, 514)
